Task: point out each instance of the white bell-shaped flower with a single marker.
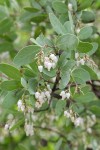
(40, 68)
(6, 127)
(47, 93)
(67, 114)
(76, 55)
(68, 95)
(63, 95)
(37, 94)
(70, 6)
(78, 121)
(19, 103)
(53, 58)
(82, 62)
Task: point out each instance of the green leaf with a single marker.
(6, 46)
(60, 105)
(51, 73)
(78, 107)
(95, 47)
(3, 12)
(32, 100)
(88, 97)
(5, 25)
(31, 9)
(11, 98)
(63, 58)
(10, 85)
(67, 42)
(17, 124)
(32, 85)
(69, 65)
(39, 18)
(42, 41)
(34, 67)
(95, 110)
(22, 147)
(84, 4)
(92, 73)
(67, 26)
(84, 47)
(10, 71)
(59, 7)
(24, 83)
(88, 16)
(56, 24)
(58, 144)
(71, 21)
(28, 73)
(65, 78)
(85, 33)
(26, 55)
(80, 76)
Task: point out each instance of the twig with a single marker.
(52, 130)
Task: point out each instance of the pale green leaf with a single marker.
(26, 55)
(10, 71)
(67, 42)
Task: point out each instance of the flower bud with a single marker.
(70, 6)
(82, 62)
(76, 55)
(68, 95)
(6, 126)
(37, 94)
(63, 95)
(40, 68)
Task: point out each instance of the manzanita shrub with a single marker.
(48, 93)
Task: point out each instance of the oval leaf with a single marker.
(26, 55)
(85, 33)
(56, 24)
(10, 71)
(84, 47)
(80, 76)
(67, 41)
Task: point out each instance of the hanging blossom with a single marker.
(29, 128)
(48, 62)
(6, 127)
(65, 94)
(90, 121)
(43, 96)
(70, 6)
(79, 61)
(78, 121)
(20, 105)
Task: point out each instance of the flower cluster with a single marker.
(78, 121)
(10, 122)
(65, 94)
(80, 61)
(49, 62)
(43, 96)
(28, 128)
(21, 105)
(84, 123)
(90, 121)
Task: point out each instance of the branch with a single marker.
(52, 130)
